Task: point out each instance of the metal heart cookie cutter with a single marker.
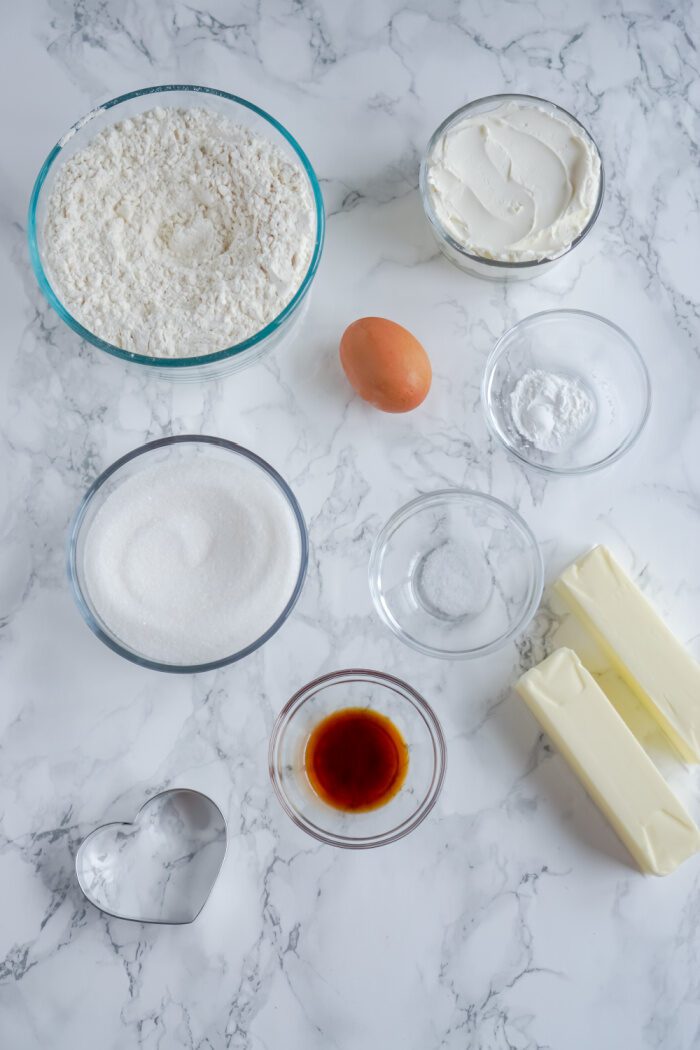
(162, 867)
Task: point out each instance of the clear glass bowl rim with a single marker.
(437, 737)
(590, 468)
(442, 233)
(173, 362)
(79, 516)
(455, 495)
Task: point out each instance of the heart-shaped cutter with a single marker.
(162, 867)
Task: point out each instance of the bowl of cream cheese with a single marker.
(510, 184)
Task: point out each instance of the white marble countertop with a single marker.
(512, 917)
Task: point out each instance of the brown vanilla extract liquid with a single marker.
(356, 759)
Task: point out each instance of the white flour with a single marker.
(550, 410)
(190, 562)
(176, 233)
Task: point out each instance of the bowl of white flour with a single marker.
(566, 392)
(178, 228)
(187, 554)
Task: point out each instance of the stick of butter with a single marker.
(638, 644)
(610, 763)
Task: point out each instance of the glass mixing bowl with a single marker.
(170, 450)
(581, 346)
(417, 724)
(477, 265)
(239, 111)
(456, 574)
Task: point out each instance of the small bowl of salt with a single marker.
(566, 392)
(456, 574)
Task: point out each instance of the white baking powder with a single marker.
(190, 562)
(550, 410)
(176, 233)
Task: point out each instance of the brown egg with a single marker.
(386, 365)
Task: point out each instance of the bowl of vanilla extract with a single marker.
(357, 758)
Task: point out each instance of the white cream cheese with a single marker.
(516, 183)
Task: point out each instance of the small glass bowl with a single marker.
(171, 449)
(419, 728)
(477, 265)
(187, 96)
(456, 574)
(582, 346)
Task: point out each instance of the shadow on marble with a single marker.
(326, 375)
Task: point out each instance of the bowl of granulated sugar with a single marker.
(187, 554)
(178, 228)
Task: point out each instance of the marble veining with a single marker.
(511, 919)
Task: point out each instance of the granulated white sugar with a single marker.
(176, 233)
(189, 562)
